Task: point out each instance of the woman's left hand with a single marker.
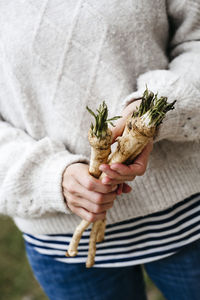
(119, 173)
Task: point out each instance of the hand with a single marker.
(118, 173)
(85, 195)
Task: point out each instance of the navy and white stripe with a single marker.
(136, 241)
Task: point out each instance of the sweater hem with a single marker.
(126, 206)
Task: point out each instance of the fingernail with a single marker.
(102, 167)
(104, 180)
(113, 167)
(130, 189)
(114, 188)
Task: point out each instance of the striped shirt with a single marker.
(135, 241)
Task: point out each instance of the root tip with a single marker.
(88, 266)
(100, 240)
(71, 253)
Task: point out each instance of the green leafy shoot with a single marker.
(159, 110)
(155, 108)
(100, 126)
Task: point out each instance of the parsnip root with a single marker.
(100, 138)
(140, 128)
(92, 244)
(72, 250)
(101, 231)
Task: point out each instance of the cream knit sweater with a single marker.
(58, 56)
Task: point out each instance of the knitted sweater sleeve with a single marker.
(181, 80)
(31, 173)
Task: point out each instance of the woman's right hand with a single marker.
(85, 195)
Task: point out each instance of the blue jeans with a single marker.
(177, 276)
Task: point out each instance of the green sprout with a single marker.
(99, 128)
(155, 107)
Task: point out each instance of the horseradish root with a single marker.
(72, 250)
(140, 128)
(100, 139)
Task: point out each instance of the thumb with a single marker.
(120, 124)
(119, 128)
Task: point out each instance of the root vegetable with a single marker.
(140, 128)
(101, 231)
(100, 139)
(72, 250)
(92, 244)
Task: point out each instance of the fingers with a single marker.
(109, 181)
(123, 188)
(86, 215)
(122, 170)
(119, 189)
(89, 210)
(86, 196)
(82, 176)
(74, 189)
(88, 205)
(117, 173)
(140, 163)
(126, 188)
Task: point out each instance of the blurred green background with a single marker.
(16, 279)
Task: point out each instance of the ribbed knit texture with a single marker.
(58, 56)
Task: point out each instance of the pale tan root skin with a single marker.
(101, 232)
(100, 150)
(136, 137)
(131, 143)
(102, 228)
(125, 147)
(122, 157)
(92, 244)
(125, 154)
(72, 250)
(98, 157)
(137, 152)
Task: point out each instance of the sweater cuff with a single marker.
(51, 194)
(137, 95)
(167, 84)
